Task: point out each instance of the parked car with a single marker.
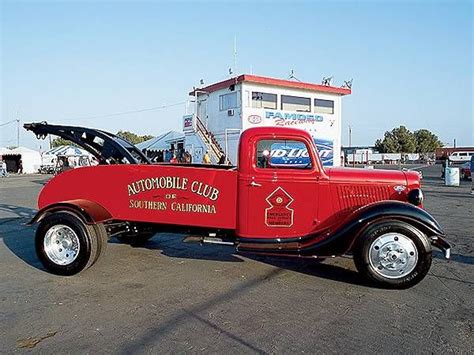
(466, 171)
(460, 157)
(278, 201)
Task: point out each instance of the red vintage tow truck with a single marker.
(279, 201)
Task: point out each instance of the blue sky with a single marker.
(63, 61)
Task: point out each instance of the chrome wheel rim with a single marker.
(393, 255)
(61, 244)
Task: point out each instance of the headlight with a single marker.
(415, 197)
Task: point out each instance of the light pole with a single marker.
(350, 136)
(17, 132)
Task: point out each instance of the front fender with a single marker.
(90, 212)
(339, 239)
(402, 211)
(342, 238)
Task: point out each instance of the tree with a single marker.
(132, 137)
(58, 141)
(426, 141)
(398, 140)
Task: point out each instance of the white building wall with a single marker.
(226, 128)
(325, 128)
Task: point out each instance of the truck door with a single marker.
(278, 188)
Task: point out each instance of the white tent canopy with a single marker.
(50, 157)
(31, 159)
(4, 150)
(67, 150)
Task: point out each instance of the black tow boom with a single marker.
(106, 147)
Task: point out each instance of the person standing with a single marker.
(206, 159)
(20, 167)
(222, 160)
(3, 168)
(472, 177)
(443, 167)
(187, 157)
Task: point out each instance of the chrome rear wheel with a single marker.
(66, 245)
(61, 244)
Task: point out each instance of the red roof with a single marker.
(273, 82)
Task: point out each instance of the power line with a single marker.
(4, 124)
(125, 112)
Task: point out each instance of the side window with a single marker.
(264, 100)
(228, 101)
(295, 103)
(323, 106)
(282, 154)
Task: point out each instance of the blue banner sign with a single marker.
(296, 154)
(325, 150)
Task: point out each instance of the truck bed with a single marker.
(191, 194)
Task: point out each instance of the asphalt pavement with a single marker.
(174, 297)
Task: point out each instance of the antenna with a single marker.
(292, 76)
(348, 84)
(327, 81)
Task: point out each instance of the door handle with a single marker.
(255, 184)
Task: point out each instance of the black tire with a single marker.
(92, 242)
(382, 228)
(102, 238)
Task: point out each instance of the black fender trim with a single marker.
(90, 212)
(339, 240)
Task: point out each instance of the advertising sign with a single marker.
(188, 123)
(324, 128)
(291, 153)
(296, 154)
(325, 150)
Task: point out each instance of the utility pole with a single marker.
(235, 55)
(17, 132)
(350, 136)
(454, 142)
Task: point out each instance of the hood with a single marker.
(393, 177)
(358, 187)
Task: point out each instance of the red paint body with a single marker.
(252, 201)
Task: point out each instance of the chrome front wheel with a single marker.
(393, 255)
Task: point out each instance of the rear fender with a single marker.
(90, 212)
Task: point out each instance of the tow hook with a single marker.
(442, 245)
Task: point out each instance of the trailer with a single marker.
(279, 200)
